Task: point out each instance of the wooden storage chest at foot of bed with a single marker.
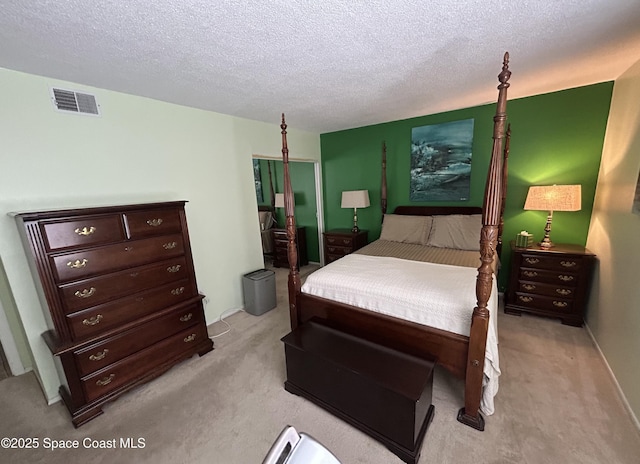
(383, 392)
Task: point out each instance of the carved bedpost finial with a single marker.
(285, 149)
(505, 74)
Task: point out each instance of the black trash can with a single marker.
(259, 289)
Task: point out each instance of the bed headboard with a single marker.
(436, 210)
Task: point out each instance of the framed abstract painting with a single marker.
(441, 161)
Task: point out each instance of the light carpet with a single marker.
(557, 404)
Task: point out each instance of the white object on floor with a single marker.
(293, 448)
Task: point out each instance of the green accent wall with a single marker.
(557, 138)
(304, 190)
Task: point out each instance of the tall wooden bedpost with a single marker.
(383, 187)
(273, 194)
(505, 173)
(491, 209)
(290, 225)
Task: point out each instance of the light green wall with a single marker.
(139, 150)
(613, 314)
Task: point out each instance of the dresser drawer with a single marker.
(99, 355)
(152, 222)
(129, 369)
(566, 279)
(91, 292)
(83, 232)
(561, 263)
(546, 289)
(97, 319)
(560, 305)
(280, 235)
(81, 264)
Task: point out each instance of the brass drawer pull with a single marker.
(84, 231)
(186, 317)
(529, 287)
(568, 263)
(174, 269)
(331, 240)
(154, 222)
(532, 260)
(99, 355)
(560, 304)
(106, 380)
(565, 278)
(129, 248)
(133, 274)
(190, 338)
(169, 245)
(93, 320)
(530, 273)
(526, 299)
(563, 291)
(177, 291)
(85, 293)
(346, 241)
(77, 264)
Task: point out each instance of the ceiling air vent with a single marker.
(75, 102)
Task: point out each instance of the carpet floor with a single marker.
(557, 404)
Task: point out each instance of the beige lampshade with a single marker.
(355, 199)
(554, 198)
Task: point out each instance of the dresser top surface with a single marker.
(53, 213)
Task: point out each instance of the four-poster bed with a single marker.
(463, 355)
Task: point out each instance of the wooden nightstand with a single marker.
(280, 258)
(340, 242)
(551, 283)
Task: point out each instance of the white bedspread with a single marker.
(436, 295)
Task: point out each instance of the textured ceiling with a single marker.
(328, 64)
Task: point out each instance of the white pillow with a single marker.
(406, 229)
(459, 231)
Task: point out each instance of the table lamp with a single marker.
(552, 198)
(355, 199)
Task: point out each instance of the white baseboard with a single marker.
(623, 397)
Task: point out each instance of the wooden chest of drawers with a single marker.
(280, 258)
(341, 242)
(120, 286)
(550, 282)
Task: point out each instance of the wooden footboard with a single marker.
(446, 348)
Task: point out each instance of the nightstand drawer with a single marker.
(543, 302)
(341, 242)
(566, 263)
(546, 289)
(345, 241)
(553, 277)
(338, 250)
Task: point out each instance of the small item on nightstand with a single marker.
(524, 239)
